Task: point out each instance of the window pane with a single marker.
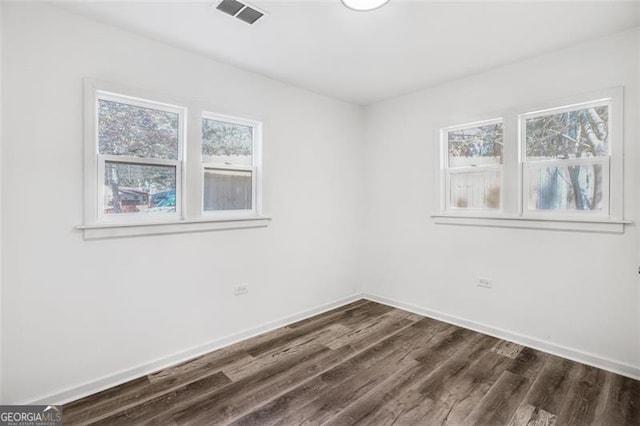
(137, 132)
(475, 145)
(582, 133)
(568, 188)
(226, 143)
(475, 190)
(227, 189)
(139, 188)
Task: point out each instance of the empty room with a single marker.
(341, 212)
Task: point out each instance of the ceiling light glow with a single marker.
(364, 5)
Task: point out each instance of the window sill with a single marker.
(578, 224)
(118, 230)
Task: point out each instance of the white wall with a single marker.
(569, 289)
(75, 311)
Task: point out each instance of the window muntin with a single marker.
(473, 166)
(566, 159)
(139, 151)
(229, 163)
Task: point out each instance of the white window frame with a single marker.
(447, 170)
(189, 215)
(254, 168)
(102, 159)
(526, 165)
(514, 194)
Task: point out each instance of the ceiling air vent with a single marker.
(239, 10)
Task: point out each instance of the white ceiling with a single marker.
(364, 57)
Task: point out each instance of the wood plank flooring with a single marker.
(369, 364)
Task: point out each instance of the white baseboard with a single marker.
(75, 392)
(106, 382)
(534, 343)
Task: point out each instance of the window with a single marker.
(473, 166)
(140, 146)
(566, 157)
(149, 168)
(229, 159)
(558, 161)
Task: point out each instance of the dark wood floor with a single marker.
(369, 364)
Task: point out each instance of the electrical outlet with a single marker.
(240, 289)
(484, 282)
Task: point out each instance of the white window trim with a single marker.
(447, 171)
(525, 165)
(254, 168)
(189, 172)
(513, 214)
(102, 159)
(558, 224)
